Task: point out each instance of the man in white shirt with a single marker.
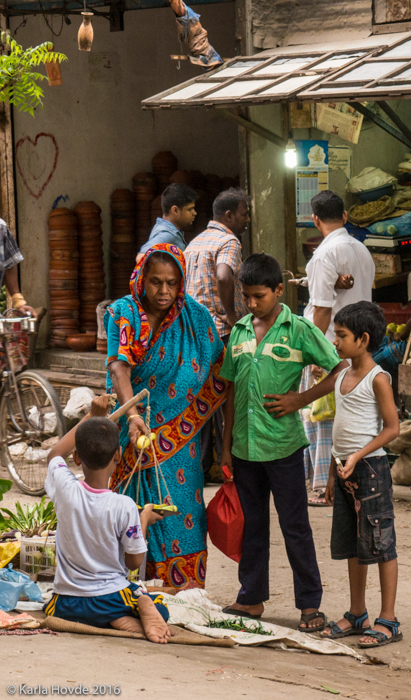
(339, 254)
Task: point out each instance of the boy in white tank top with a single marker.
(359, 485)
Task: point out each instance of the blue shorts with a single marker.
(363, 516)
(100, 610)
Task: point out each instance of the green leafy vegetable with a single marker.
(239, 626)
(5, 485)
(37, 518)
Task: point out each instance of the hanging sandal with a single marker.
(307, 618)
(382, 639)
(355, 621)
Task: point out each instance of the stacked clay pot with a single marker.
(145, 190)
(156, 210)
(181, 177)
(123, 242)
(91, 263)
(63, 276)
(164, 165)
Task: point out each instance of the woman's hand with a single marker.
(317, 372)
(136, 427)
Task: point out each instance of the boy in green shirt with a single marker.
(264, 441)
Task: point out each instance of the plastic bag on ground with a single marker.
(79, 402)
(45, 421)
(14, 584)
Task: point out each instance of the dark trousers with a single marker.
(285, 479)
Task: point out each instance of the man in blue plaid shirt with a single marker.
(10, 257)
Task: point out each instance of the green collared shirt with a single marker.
(273, 367)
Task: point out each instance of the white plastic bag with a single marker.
(45, 421)
(79, 402)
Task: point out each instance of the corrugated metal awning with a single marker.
(376, 68)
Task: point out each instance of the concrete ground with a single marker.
(146, 670)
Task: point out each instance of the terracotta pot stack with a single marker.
(204, 215)
(91, 263)
(164, 165)
(63, 276)
(156, 210)
(145, 190)
(212, 188)
(181, 177)
(123, 247)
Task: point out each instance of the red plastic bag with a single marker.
(226, 520)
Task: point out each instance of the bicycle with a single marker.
(31, 418)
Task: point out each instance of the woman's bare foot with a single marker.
(256, 610)
(128, 624)
(155, 629)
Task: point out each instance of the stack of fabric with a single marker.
(123, 242)
(63, 276)
(91, 263)
(145, 190)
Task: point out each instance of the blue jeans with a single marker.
(285, 479)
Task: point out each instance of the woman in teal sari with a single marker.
(160, 339)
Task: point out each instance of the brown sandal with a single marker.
(307, 618)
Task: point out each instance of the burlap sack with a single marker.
(401, 470)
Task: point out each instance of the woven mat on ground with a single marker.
(25, 633)
(182, 636)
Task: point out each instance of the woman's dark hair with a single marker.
(261, 269)
(229, 200)
(328, 206)
(97, 440)
(176, 195)
(363, 317)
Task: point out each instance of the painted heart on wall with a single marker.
(37, 161)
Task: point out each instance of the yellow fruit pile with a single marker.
(393, 328)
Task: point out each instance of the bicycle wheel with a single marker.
(26, 422)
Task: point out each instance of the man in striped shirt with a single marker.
(213, 261)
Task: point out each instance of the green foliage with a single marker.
(5, 485)
(3, 300)
(18, 77)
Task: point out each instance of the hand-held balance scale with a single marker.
(162, 509)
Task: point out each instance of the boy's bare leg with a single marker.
(155, 629)
(128, 624)
(388, 571)
(357, 574)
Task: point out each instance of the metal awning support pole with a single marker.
(381, 123)
(395, 119)
(255, 128)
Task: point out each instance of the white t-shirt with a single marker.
(94, 529)
(357, 416)
(338, 254)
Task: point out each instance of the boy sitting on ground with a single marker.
(99, 535)
(359, 483)
(264, 439)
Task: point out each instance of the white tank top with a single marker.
(357, 416)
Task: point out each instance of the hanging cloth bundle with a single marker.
(195, 36)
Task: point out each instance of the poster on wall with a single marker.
(311, 176)
(340, 119)
(340, 158)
